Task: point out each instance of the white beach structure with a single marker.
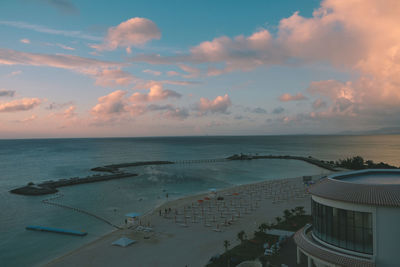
(132, 218)
(356, 219)
(123, 242)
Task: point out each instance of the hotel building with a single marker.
(356, 221)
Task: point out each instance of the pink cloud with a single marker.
(173, 73)
(69, 112)
(288, 97)
(362, 38)
(153, 72)
(218, 105)
(113, 77)
(169, 111)
(176, 114)
(133, 32)
(13, 57)
(20, 105)
(112, 104)
(258, 48)
(117, 107)
(66, 47)
(319, 103)
(192, 72)
(156, 93)
(25, 41)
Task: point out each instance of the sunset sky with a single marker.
(72, 68)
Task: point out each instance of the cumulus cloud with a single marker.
(170, 111)
(361, 39)
(156, 93)
(25, 41)
(218, 105)
(319, 103)
(111, 104)
(288, 97)
(341, 95)
(69, 113)
(238, 53)
(177, 113)
(133, 32)
(20, 105)
(118, 106)
(112, 77)
(8, 93)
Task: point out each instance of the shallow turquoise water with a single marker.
(22, 161)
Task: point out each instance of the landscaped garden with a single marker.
(262, 243)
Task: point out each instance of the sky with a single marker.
(102, 68)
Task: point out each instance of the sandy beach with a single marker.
(195, 228)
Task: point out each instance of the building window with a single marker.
(346, 229)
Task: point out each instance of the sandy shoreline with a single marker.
(194, 230)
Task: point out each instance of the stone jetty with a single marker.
(50, 187)
(310, 160)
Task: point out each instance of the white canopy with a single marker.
(123, 242)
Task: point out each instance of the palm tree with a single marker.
(287, 214)
(299, 211)
(241, 236)
(226, 245)
(263, 227)
(278, 219)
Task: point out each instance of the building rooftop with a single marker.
(370, 187)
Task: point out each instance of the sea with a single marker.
(36, 160)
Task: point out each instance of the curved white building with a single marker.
(356, 221)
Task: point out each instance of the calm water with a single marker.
(22, 161)
(376, 178)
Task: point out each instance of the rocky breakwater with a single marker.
(50, 187)
(310, 160)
